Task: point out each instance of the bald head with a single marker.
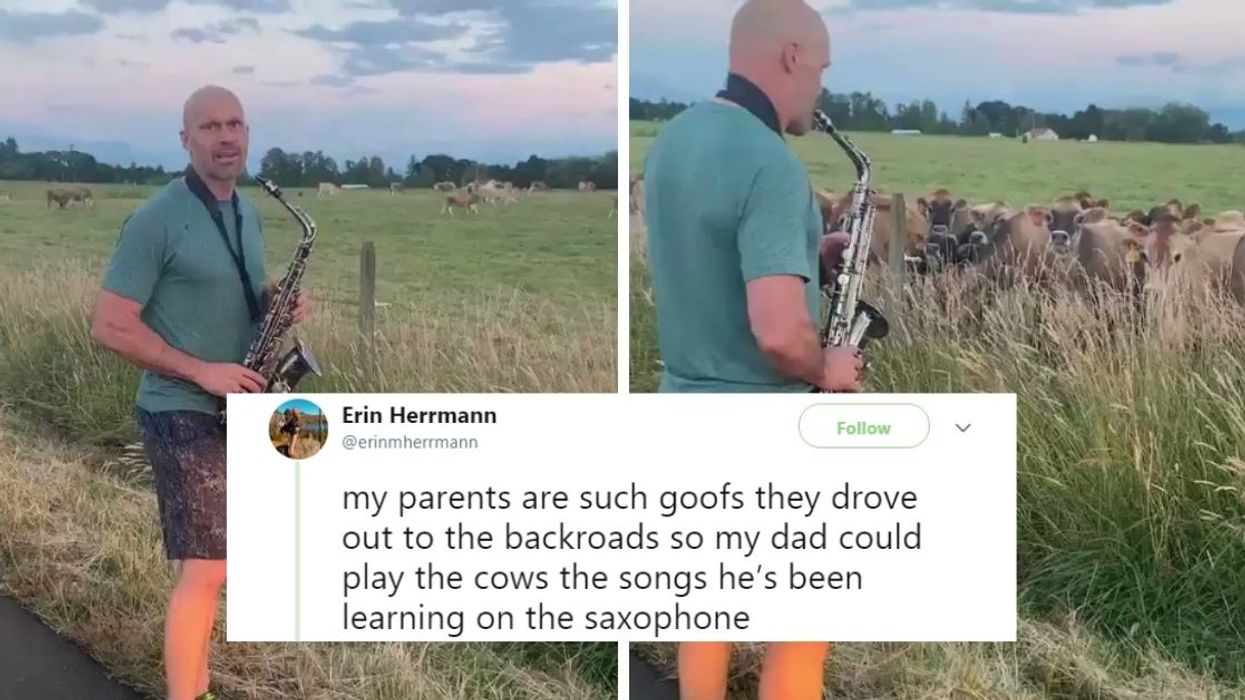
(783, 47)
(216, 135)
(205, 99)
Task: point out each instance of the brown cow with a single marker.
(83, 194)
(1022, 247)
(1089, 201)
(461, 201)
(60, 196)
(1110, 253)
(4, 197)
(637, 195)
(883, 224)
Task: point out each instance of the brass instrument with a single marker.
(283, 374)
(851, 320)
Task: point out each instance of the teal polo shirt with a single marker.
(727, 201)
(170, 258)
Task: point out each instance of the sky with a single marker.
(1053, 55)
(491, 80)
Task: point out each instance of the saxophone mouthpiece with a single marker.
(268, 185)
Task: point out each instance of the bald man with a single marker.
(733, 240)
(734, 225)
(182, 298)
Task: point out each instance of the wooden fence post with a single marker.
(898, 249)
(367, 306)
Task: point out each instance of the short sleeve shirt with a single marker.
(727, 202)
(170, 258)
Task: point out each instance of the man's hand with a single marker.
(302, 306)
(841, 369)
(302, 301)
(220, 378)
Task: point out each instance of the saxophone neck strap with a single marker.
(201, 192)
(746, 94)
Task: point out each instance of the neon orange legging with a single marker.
(791, 670)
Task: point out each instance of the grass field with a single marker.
(1131, 438)
(514, 299)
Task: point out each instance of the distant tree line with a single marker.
(71, 166)
(309, 169)
(1173, 123)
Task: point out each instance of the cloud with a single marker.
(244, 70)
(1062, 7)
(116, 7)
(510, 36)
(25, 27)
(270, 7)
(217, 31)
(1160, 58)
(1182, 65)
(395, 31)
(332, 80)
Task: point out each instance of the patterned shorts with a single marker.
(186, 450)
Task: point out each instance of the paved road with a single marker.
(38, 664)
(648, 684)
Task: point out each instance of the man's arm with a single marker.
(116, 323)
(783, 329)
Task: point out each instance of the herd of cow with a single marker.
(1077, 242)
(468, 197)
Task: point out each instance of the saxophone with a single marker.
(850, 320)
(283, 374)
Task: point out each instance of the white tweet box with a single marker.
(626, 518)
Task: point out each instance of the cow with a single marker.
(445, 187)
(940, 211)
(1211, 260)
(395, 187)
(1110, 254)
(60, 196)
(1061, 220)
(538, 185)
(4, 197)
(587, 186)
(328, 189)
(636, 204)
(461, 201)
(1088, 201)
(1022, 248)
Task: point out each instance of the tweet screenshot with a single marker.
(487, 517)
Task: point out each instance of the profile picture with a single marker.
(298, 429)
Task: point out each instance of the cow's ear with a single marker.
(1037, 215)
(1138, 230)
(961, 204)
(1193, 211)
(1104, 203)
(924, 205)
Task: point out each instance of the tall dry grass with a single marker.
(507, 342)
(78, 524)
(82, 548)
(1131, 478)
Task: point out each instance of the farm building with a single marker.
(1093, 138)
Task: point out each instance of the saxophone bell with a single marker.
(292, 367)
